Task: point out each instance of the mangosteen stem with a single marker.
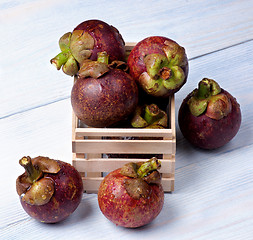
(203, 89)
(33, 173)
(149, 166)
(60, 59)
(103, 57)
(199, 101)
(152, 113)
(63, 56)
(165, 73)
(207, 87)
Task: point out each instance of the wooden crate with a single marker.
(90, 147)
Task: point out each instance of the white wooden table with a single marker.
(213, 197)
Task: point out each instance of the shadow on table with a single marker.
(190, 161)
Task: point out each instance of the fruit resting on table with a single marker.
(209, 117)
(132, 196)
(50, 190)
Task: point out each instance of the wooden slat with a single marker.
(172, 116)
(109, 164)
(172, 125)
(89, 156)
(129, 46)
(74, 125)
(168, 184)
(126, 132)
(124, 146)
(91, 185)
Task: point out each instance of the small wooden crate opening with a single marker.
(91, 147)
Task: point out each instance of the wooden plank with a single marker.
(90, 156)
(200, 26)
(109, 164)
(81, 132)
(126, 132)
(91, 185)
(173, 117)
(124, 146)
(130, 46)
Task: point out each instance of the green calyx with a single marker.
(208, 87)
(208, 99)
(141, 169)
(164, 72)
(141, 175)
(75, 48)
(33, 186)
(103, 57)
(155, 63)
(149, 116)
(98, 68)
(148, 167)
(95, 69)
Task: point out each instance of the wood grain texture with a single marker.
(213, 197)
(32, 29)
(127, 132)
(107, 165)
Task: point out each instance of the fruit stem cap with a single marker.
(200, 97)
(148, 166)
(33, 173)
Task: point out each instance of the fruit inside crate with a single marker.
(91, 147)
(97, 151)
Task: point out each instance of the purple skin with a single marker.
(85, 42)
(66, 198)
(107, 38)
(160, 50)
(120, 206)
(209, 133)
(104, 101)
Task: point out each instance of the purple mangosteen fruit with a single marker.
(102, 95)
(209, 117)
(86, 40)
(132, 196)
(50, 190)
(159, 65)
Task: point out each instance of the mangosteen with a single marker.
(159, 65)
(149, 116)
(132, 196)
(50, 190)
(145, 116)
(85, 41)
(209, 117)
(102, 95)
